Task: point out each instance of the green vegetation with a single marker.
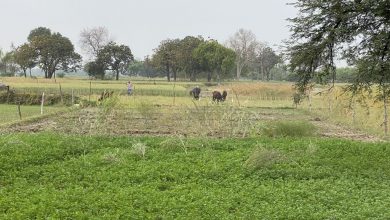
(9, 113)
(51, 176)
(289, 129)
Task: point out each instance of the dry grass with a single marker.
(247, 105)
(338, 107)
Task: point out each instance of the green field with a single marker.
(77, 177)
(10, 113)
(159, 154)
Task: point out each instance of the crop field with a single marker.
(159, 154)
(51, 176)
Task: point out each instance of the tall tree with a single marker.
(25, 57)
(8, 62)
(95, 69)
(92, 40)
(39, 32)
(165, 57)
(186, 60)
(266, 59)
(115, 58)
(214, 58)
(243, 42)
(53, 51)
(357, 29)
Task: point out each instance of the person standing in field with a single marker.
(129, 88)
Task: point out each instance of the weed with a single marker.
(289, 129)
(311, 149)
(112, 157)
(139, 149)
(262, 158)
(174, 144)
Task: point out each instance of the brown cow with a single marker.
(217, 96)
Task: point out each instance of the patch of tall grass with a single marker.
(288, 129)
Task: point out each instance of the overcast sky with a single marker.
(143, 24)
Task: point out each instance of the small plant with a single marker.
(139, 149)
(289, 129)
(112, 157)
(174, 144)
(297, 99)
(262, 158)
(311, 149)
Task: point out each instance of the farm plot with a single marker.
(193, 120)
(47, 175)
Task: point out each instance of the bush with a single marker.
(139, 149)
(289, 129)
(35, 99)
(262, 158)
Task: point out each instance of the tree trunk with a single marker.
(24, 72)
(50, 74)
(262, 72)
(30, 73)
(168, 74)
(239, 69)
(117, 74)
(385, 116)
(209, 76)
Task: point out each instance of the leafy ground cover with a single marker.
(46, 175)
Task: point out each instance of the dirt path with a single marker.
(328, 129)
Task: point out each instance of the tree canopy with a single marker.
(25, 57)
(214, 57)
(53, 51)
(243, 42)
(357, 30)
(115, 57)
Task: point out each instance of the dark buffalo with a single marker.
(4, 87)
(195, 92)
(217, 96)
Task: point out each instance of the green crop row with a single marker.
(48, 176)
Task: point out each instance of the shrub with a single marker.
(289, 129)
(35, 98)
(262, 158)
(139, 149)
(173, 145)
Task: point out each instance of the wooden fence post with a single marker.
(90, 90)
(42, 101)
(72, 97)
(20, 113)
(62, 99)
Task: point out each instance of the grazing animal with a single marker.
(4, 87)
(105, 95)
(217, 96)
(195, 92)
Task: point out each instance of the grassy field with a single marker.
(76, 177)
(10, 113)
(159, 154)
